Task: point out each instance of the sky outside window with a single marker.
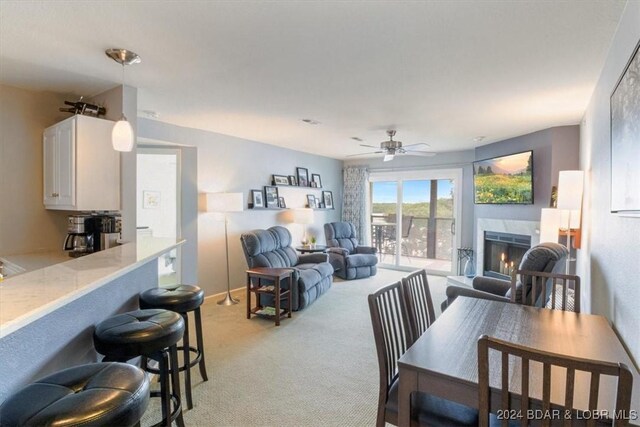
(415, 191)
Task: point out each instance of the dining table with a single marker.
(443, 361)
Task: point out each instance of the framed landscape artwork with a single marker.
(625, 140)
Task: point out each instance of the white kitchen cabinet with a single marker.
(81, 169)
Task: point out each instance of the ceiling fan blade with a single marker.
(365, 154)
(424, 144)
(369, 146)
(419, 153)
(388, 157)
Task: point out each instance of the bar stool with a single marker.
(147, 333)
(97, 394)
(182, 299)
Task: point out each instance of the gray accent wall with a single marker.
(608, 261)
(229, 164)
(554, 149)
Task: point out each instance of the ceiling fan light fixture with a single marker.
(122, 137)
(388, 157)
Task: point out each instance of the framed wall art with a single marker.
(271, 196)
(625, 140)
(303, 177)
(327, 197)
(257, 200)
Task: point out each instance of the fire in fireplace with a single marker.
(503, 253)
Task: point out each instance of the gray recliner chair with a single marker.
(312, 274)
(349, 260)
(546, 257)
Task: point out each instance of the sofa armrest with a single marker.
(339, 251)
(366, 250)
(491, 285)
(454, 292)
(315, 258)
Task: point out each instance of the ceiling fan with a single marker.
(392, 148)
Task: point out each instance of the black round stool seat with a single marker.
(97, 394)
(136, 333)
(179, 298)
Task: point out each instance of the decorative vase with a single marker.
(470, 268)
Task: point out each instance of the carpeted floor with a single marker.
(318, 368)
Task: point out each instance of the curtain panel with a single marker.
(354, 204)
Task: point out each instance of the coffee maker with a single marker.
(88, 233)
(80, 240)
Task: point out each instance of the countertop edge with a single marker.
(19, 322)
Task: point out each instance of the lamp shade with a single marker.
(550, 222)
(570, 188)
(224, 202)
(122, 136)
(303, 216)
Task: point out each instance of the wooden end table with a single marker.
(311, 249)
(275, 275)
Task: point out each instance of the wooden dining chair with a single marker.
(550, 290)
(393, 336)
(571, 364)
(418, 301)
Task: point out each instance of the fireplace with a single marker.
(503, 253)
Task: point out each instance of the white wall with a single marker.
(609, 260)
(25, 225)
(232, 164)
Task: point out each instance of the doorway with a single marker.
(414, 219)
(159, 204)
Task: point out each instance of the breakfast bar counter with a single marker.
(47, 315)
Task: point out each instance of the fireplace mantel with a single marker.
(527, 228)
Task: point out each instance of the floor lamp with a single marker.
(570, 189)
(303, 216)
(224, 203)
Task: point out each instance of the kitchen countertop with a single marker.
(30, 296)
(35, 260)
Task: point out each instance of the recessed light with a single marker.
(311, 121)
(478, 139)
(355, 138)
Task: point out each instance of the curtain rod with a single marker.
(413, 168)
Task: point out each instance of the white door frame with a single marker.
(172, 151)
(424, 174)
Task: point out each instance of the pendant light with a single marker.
(122, 133)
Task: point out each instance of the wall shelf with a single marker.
(266, 209)
(296, 186)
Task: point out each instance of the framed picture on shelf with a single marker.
(257, 201)
(327, 197)
(280, 180)
(271, 196)
(293, 180)
(311, 201)
(303, 177)
(315, 178)
(281, 202)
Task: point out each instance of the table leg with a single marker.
(290, 294)
(248, 296)
(408, 384)
(277, 292)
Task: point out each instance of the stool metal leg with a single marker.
(165, 395)
(203, 368)
(187, 360)
(175, 383)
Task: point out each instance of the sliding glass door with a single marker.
(413, 219)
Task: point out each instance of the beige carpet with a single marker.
(318, 368)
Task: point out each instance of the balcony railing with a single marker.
(428, 238)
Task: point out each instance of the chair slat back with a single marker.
(391, 332)
(547, 283)
(570, 364)
(418, 302)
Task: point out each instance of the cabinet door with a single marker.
(66, 160)
(49, 146)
